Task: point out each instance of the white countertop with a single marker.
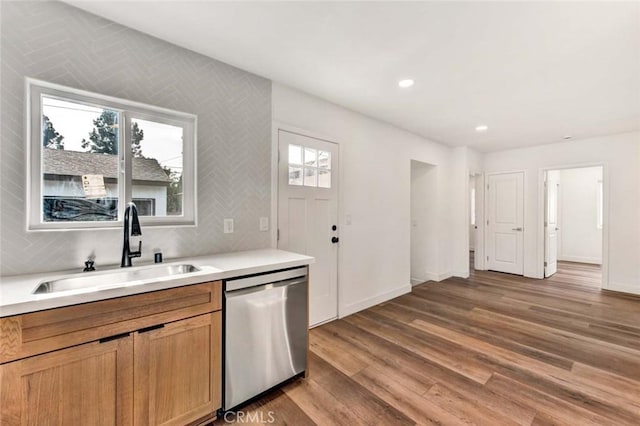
(16, 291)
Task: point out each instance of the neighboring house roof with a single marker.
(75, 163)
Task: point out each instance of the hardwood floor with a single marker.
(494, 349)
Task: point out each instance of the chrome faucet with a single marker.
(134, 231)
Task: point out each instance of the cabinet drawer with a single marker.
(35, 333)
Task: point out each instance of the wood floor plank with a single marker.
(275, 408)
(448, 356)
(582, 390)
(467, 326)
(465, 408)
(396, 363)
(359, 399)
(605, 355)
(319, 405)
(417, 407)
(564, 412)
(346, 361)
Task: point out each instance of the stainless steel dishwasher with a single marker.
(265, 332)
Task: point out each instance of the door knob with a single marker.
(335, 240)
(516, 229)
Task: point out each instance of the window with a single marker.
(600, 207)
(91, 154)
(309, 167)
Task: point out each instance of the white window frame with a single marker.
(127, 111)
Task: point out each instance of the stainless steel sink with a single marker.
(114, 278)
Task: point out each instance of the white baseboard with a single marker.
(431, 276)
(442, 276)
(372, 301)
(461, 274)
(579, 259)
(624, 288)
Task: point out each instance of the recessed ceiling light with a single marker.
(567, 137)
(406, 83)
(482, 128)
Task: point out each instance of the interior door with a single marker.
(551, 224)
(505, 222)
(308, 215)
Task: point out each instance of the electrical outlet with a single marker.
(264, 224)
(228, 226)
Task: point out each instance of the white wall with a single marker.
(465, 161)
(374, 257)
(620, 155)
(424, 222)
(234, 133)
(580, 239)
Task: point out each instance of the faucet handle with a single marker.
(137, 253)
(88, 266)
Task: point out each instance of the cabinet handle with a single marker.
(148, 329)
(116, 337)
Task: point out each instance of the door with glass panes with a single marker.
(308, 215)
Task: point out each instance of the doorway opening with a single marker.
(476, 220)
(424, 223)
(574, 222)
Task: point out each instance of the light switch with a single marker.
(347, 219)
(228, 226)
(264, 224)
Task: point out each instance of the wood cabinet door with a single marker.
(177, 371)
(89, 384)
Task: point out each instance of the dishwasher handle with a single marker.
(263, 287)
(272, 277)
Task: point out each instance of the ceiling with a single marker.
(533, 72)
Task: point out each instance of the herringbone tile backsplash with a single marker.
(55, 42)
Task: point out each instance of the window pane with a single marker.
(157, 167)
(145, 206)
(79, 141)
(324, 159)
(310, 157)
(295, 175)
(310, 176)
(324, 178)
(295, 154)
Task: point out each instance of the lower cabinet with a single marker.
(152, 372)
(90, 384)
(177, 371)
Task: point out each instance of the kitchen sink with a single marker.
(112, 278)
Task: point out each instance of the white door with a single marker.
(505, 222)
(551, 224)
(308, 215)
